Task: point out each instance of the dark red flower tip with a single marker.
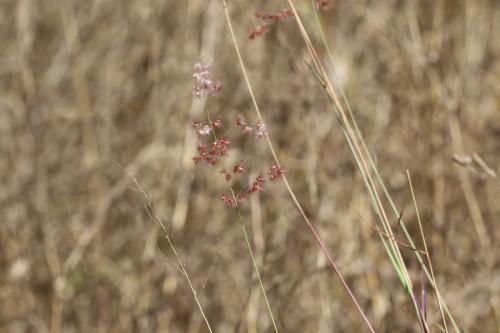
(258, 31)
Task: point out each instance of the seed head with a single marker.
(226, 174)
(258, 31)
(240, 196)
(228, 200)
(204, 85)
(258, 185)
(238, 168)
(275, 17)
(240, 121)
(202, 128)
(274, 172)
(216, 124)
(268, 19)
(205, 128)
(260, 129)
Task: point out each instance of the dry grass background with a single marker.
(86, 83)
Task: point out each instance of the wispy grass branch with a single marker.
(154, 217)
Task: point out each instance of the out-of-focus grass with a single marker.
(86, 83)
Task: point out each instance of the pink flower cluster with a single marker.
(267, 20)
(238, 168)
(204, 85)
(213, 152)
(258, 31)
(280, 15)
(257, 186)
(259, 129)
(228, 200)
(274, 172)
(205, 128)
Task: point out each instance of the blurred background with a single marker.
(90, 88)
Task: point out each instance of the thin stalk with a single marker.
(426, 251)
(348, 127)
(380, 180)
(387, 248)
(390, 250)
(285, 180)
(247, 239)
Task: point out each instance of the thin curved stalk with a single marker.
(247, 239)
